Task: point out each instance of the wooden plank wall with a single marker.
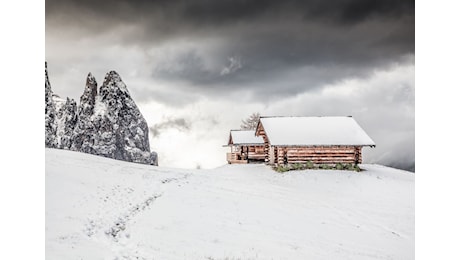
(261, 132)
(281, 152)
(256, 153)
(318, 155)
(233, 158)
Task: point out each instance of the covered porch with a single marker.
(236, 155)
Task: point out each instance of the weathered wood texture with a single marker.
(234, 158)
(316, 155)
(261, 132)
(231, 156)
(303, 154)
(246, 154)
(281, 158)
(255, 153)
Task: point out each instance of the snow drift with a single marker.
(99, 208)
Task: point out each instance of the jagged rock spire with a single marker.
(107, 123)
(84, 132)
(88, 99)
(50, 114)
(67, 119)
(123, 126)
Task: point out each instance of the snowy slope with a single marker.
(99, 208)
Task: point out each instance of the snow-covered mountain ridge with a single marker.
(99, 208)
(107, 123)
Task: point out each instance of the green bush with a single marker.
(297, 166)
(324, 167)
(310, 165)
(339, 166)
(281, 168)
(351, 167)
(356, 168)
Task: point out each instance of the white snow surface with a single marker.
(245, 137)
(99, 208)
(308, 131)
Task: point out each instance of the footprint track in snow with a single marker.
(120, 225)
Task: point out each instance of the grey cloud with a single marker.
(217, 13)
(180, 124)
(234, 64)
(272, 32)
(322, 41)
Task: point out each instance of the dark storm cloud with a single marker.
(269, 37)
(259, 19)
(215, 13)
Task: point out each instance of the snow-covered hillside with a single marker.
(100, 208)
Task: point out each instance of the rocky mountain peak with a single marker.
(113, 83)
(87, 100)
(47, 81)
(66, 120)
(90, 80)
(50, 113)
(107, 123)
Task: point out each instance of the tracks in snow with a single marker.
(116, 232)
(119, 226)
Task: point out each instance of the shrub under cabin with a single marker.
(245, 147)
(320, 140)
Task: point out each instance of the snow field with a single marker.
(99, 208)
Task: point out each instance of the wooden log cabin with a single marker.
(320, 140)
(245, 147)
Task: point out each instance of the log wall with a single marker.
(261, 132)
(239, 154)
(316, 155)
(256, 153)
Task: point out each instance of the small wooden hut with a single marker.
(245, 147)
(320, 140)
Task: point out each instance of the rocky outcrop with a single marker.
(50, 114)
(107, 123)
(84, 133)
(66, 119)
(121, 129)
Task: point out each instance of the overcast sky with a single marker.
(196, 68)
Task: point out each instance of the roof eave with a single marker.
(247, 144)
(320, 145)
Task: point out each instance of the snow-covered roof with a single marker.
(314, 131)
(244, 137)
